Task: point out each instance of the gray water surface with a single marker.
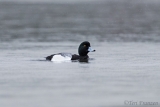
(124, 68)
(117, 72)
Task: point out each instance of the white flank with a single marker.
(60, 58)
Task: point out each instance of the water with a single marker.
(124, 68)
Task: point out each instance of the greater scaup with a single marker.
(83, 50)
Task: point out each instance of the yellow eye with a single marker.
(84, 45)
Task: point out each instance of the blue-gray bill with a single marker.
(91, 50)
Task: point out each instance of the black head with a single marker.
(84, 48)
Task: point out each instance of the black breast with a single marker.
(75, 57)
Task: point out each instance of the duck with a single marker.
(83, 50)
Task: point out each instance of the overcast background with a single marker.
(51, 0)
(72, 0)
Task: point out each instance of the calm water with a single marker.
(124, 68)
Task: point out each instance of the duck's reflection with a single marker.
(83, 60)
